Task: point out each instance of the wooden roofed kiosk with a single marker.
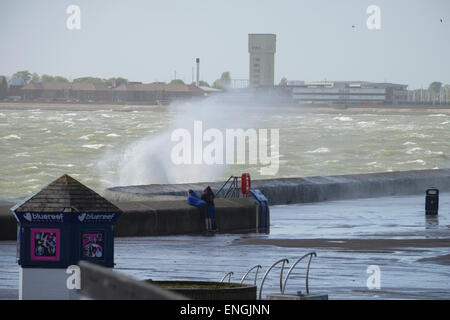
(58, 226)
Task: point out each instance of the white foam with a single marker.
(319, 150)
(93, 146)
(412, 150)
(149, 160)
(438, 153)
(437, 115)
(343, 118)
(12, 136)
(418, 161)
(86, 137)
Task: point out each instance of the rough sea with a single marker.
(103, 147)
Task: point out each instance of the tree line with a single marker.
(28, 77)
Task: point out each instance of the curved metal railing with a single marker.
(256, 274)
(267, 272)
(229, 274)
(311, 254)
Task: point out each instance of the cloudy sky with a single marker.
(150, 40)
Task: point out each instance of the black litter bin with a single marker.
(432, 201)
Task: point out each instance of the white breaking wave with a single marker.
(319, 150)
(343, 118)
(93, 146)
(148, 160)
(418, 161)
(86, 137)
(437, 115)
(12, 136)
(411, 151)
(429, 152)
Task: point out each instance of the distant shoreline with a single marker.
(385, 109)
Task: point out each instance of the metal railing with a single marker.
(267, 272)
(282, 283)
(230, 189)
(229, 274)
(256, 273)
(311, 254)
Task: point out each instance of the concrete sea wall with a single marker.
(162, 209)
(310, 189)
(164, 217)
(156, 218)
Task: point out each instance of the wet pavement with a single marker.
(407, 270)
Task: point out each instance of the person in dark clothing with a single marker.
(208, 196)
(194, 200)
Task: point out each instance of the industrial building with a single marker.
(347, 92)
(262, 48)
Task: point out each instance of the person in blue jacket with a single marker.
(194, 200)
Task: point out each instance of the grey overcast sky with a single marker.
(150, 40)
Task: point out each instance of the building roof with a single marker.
(158, 86)
(130, 86)
(83, 86)
(47, 86)
(77, 86)
(210, 89)
(66, 194)
(342, 84)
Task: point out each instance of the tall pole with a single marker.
(198, 71)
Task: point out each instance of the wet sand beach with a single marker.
(356, 245)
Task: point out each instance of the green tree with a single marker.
(88, 80)
(201, 83)
(223, 82)
(119, 81)
(47, 78)
(283, 82)
(177, 81)
(24, 75)
(60, 79)
(35, 77)
(435, 87)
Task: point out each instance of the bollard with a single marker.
(432, 201)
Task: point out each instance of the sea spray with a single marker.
(148, 160)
